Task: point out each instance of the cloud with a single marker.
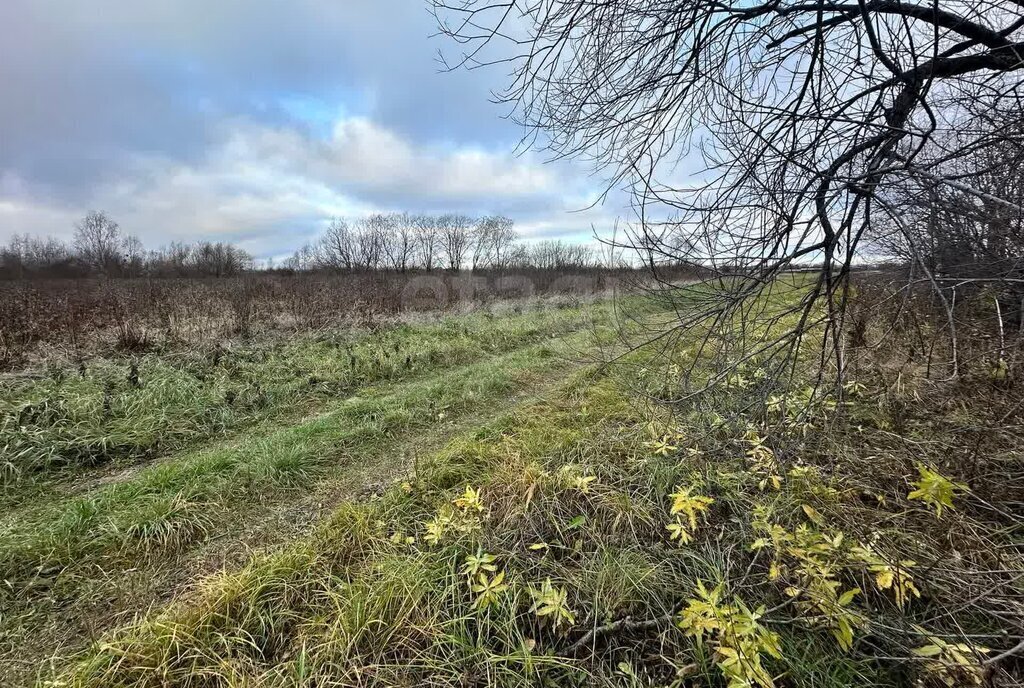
(253, 120)
(270, 189)
(377, 163)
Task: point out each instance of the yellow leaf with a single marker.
(928, 651)
(813, 514)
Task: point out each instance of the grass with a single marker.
(360, 602)
(537, 550)
(172, 503)
(610, 534)
(378, 575)
(127, 410)
(64, 556)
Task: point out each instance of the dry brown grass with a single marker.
(75, 319)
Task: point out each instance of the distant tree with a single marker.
(517, 257)
(428, 239)
(399, 240)
(178, 254)
(337, 249)
(13, 258)
(307, 257)
(45, 253)
(480, 244)
(455, 238)
(133, 256)
(370, 235)
(170, 261)
(28, 255)
(555, 254)
(219, 259)
(502, 235)
(97, 243)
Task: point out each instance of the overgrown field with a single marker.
(553, 522)
(117, 410)
(119, 477)
(52, 319)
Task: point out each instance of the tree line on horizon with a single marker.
(396, 242)
(403, 241)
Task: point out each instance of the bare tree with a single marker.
(969, 223)
(97, 243)
(503, 238)
(427, 240)
(805, 114)
(554, 254)
(490, 238)
(400, 241)
(25, 254)
(171, 261)
(133, 256)
(480, 244)
(43, 253)
(219, 259)
(382, 228)
(369, 234)
(337, 248)
(307, 257)
(455, 238)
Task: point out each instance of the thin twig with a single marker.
(1003, 655)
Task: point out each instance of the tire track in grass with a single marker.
(216, 506)
(298, 378)
(172, 492)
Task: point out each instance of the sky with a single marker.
(255, 121)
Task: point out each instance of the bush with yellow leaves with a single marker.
(463, 519)
(952, 664)
(738, 639)
(810, 561)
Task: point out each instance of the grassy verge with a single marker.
(592, 539)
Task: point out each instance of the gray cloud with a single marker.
(252, 121)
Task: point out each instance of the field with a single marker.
(50, 320)
(516, 495)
